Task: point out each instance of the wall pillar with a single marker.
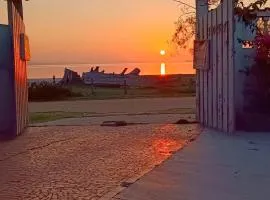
(13, 73)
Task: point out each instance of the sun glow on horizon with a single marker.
(163, 69)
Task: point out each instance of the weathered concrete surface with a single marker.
(215, 167)
(83, 162)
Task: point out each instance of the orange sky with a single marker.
(100, 31)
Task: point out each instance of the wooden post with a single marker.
(15, 91)
(54, 81)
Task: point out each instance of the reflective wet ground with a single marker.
(84, 162)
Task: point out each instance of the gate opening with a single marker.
(97, 83)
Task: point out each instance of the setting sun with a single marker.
(163, 69)
(162, 52)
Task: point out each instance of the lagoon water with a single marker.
(48, 71)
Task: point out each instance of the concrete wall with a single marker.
(7, 93)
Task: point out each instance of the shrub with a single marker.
(258, 82)
(45, 91)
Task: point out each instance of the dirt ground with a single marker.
(120, 106)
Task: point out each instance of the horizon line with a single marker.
(112, 63)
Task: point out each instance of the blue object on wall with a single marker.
(7, 93)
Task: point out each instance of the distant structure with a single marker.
(14, 54)
(70, 77)
(219, 60)
(107, 79)
(112, 80)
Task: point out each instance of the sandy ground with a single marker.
(120, 106)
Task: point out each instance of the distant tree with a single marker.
(186, 23)
(185, 31)
(245, 13)
(184, 27)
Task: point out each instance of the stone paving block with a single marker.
(83, 162)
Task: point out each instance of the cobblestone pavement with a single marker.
(83, 162)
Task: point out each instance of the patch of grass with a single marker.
(132, 93)
(40, 117)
